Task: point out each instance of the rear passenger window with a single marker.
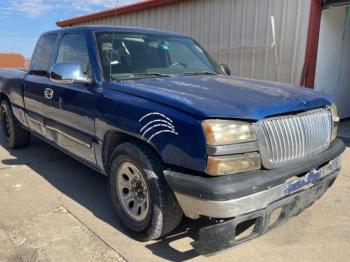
(42, 55)
(74, 50)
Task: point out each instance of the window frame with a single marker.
(59, 44)
(53, 54)
(212, 61)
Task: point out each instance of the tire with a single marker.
(161, 214)
(15, 136)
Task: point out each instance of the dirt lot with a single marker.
(52, 208)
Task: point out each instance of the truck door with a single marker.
(73, 106)
(37, 83)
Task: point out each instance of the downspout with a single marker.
(309, 69)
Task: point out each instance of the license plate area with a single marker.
(302, 182)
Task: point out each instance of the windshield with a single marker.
(134, 56)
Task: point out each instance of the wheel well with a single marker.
(3, 97)
(114, 138)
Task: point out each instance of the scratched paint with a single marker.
(155, 124)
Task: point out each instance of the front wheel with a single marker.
(144, 202)
(15, 135)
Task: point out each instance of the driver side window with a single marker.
(74, 50)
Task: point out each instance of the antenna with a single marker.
(113, 38)
(116, 8)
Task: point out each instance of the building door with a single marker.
(335, 3)
(333, 59)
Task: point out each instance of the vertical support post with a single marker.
(309, 69)
(345, 31)
(274, 46)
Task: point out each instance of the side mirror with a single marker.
(224, 68)
(67, 73)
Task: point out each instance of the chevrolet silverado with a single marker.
(174, 132)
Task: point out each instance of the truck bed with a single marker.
(12, 85)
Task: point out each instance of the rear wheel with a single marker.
(145, 204)
(15, 135)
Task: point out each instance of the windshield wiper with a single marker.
(133, 76)
(151, 74)
(199, 73)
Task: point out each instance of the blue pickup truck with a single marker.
(174, 132)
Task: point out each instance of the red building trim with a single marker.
(112, 12)
(309, 70)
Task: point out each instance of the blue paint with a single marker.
(224, 96)
(88, 113)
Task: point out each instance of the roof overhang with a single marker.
(115, 11)
(335, 3)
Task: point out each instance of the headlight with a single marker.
(335, 119)
(225, 165)
(225, 132)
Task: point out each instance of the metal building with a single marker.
(274, 40)
(236, 32)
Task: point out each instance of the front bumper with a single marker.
(221, 236)
(195, 207)
(235, 195)
(252, 197)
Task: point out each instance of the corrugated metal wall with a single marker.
(237, 32)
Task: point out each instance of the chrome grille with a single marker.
(290, 138)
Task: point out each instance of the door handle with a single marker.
(60, 102)
(48, 93)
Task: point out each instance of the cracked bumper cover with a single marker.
(243, 197)
(235, 195)
(221, 236)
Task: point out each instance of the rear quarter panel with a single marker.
(12, 85)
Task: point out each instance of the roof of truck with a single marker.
(128, 29)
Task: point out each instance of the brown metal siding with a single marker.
(11, 61)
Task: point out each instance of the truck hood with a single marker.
(224, 96)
